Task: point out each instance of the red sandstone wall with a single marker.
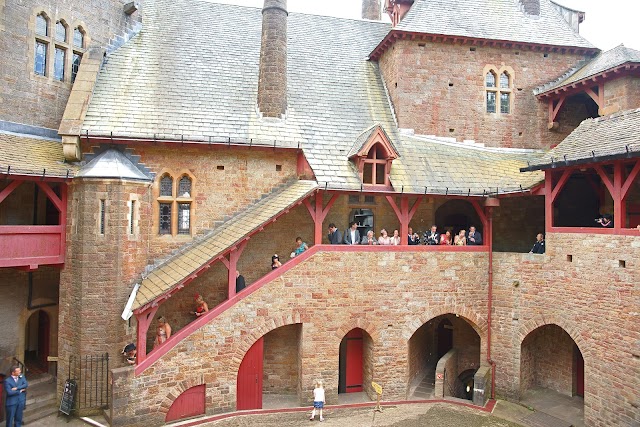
(621, 94)
(280, 370)
(390, 302)
(419, 78)
(593, 299)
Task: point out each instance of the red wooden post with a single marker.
(404, 215)
(548, 200)
(144, 320)
(63, 218)
(318, 214)
(232, 265)
(482, 216)
(619, 214)
(9, 189)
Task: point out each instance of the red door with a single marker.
(354, 361)
(190, 403)
(250, 378)
(579, 374)
(43, 338)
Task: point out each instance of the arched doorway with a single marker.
(551, 365)
(190, 403)
(430, 343)
(456, 215)
(269, 374)
(37, 341)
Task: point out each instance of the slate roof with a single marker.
(457, 168)
(492, 19)
(613, 58)
(192, 257)
(202, 83)
(28, 155)
(595, 140)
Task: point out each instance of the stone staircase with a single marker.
(427, 387)
(41, 399)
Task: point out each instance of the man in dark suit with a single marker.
(538, 246)
(432, 237)
(352, 234)
(335, 236)
(474, 237)
(240, 282)
(413, 238)
(15, 387)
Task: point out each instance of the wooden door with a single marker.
(353, 363)
(249, 388)
(579, 374)
(190, 403)
(44, 328)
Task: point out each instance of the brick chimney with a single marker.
(531, 7)
(272, 84)
(371, 10)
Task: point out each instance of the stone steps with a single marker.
(427, 387)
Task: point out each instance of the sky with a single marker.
(607, 23)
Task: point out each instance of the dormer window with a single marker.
(372, 154)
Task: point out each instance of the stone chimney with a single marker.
(531, 7)
(371, 10)
(272, 84)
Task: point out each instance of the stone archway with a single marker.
(552, 370)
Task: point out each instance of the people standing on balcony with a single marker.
(432, 237)
(201, 306)
(445, 239)
(163, 332)
(301, 247)
(240, 282)
(474, 237)
(461, 238)
(369, 239)
(414, 238)
(352, 234)
(275, 262)
(335, 237)
(395, 239)
(538, 246)
(384, 238)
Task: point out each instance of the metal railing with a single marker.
(91, 374)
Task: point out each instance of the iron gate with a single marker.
(91, 374)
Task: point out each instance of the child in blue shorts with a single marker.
(318, 401)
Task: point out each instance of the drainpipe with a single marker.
(490, 203)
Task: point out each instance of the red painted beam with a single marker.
(9, 189)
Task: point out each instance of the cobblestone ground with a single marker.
(418, 415)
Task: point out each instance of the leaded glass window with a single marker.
(184, 218)
(504, 103)
(78, 38)
(75, 65)
(184, 187)
(61, 32)
(40, 60)
(166, 186)
(41, 25)
(58, 64)
(491, 102)
(165, 218)
(504, 80)
(490, 80)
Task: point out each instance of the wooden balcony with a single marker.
(28, 246)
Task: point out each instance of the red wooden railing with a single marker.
(31, 245)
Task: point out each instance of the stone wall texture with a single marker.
(438, 89)
(40, 100)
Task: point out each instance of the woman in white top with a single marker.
(384, 238)
(395, 239)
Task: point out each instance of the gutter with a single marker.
(553, 164)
